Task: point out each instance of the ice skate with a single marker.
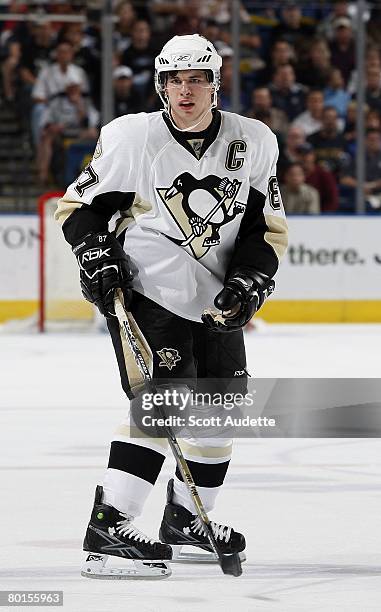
(112, 533)
(182, 529)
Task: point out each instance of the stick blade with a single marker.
(231, 564)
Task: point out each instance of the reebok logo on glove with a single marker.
(103, 268)
(94, 254)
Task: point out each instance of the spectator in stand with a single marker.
(93, 29)
(372, 61)
(126, 17)
(373, 88)
(373, 58)
(350, 124)
(315, 70)
(169, 14)
(126, 98)
(13, 32)
(74, 7)
(187, 24)
(261, 106)
(281, 53)
(14, 35)
(321, 179)
(329, 142)
(249, 40)
(310, 121)
(68, 115)
(36, 52)
(372, 120)
(211, 30)
(287, 95)
(141, 8)
(372, 185)
(187, 16)
(53, 80)
(178, 16)
(220, 12)
(292, 150)
(326, 27)
(140, 57)
(292, 28)
(335, 94)
(85, 54)
(224, 94)
(165, 12)
(343, 48)
(298, 197)
(9, 69)
(33, 54)
(373, 26)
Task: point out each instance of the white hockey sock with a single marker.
(125, 492)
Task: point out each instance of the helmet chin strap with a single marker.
(188, 129)
(167, 109)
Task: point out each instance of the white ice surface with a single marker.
(310, 509)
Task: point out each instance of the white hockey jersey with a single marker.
(192, 207)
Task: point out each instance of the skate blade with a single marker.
(189, 556)
(130, 569)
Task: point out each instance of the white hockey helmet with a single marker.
(189, 52)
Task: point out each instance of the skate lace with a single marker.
(126, 528)
(220, 532)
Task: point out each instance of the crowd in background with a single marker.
(298, 75)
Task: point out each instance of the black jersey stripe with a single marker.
(95, 217)
(137, 460)
(251, 248)
(206, 474)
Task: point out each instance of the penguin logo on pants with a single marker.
(200, 207)
(169, 357)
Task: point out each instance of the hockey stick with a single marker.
(190, 238)
(230, 562)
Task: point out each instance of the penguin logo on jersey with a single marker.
(200, 207)
(169, 357)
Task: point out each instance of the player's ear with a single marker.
(165, 84)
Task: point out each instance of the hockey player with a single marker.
(200, 233)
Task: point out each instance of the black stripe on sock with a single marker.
(206, 474)
(137, 460)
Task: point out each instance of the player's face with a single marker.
(189, 94)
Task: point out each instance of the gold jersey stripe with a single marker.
(212, 452)
(276, 236)
(65, 208)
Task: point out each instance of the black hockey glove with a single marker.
(243, 294)
(103, 268)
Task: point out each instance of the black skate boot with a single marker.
(110, 532)
(180, 527)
